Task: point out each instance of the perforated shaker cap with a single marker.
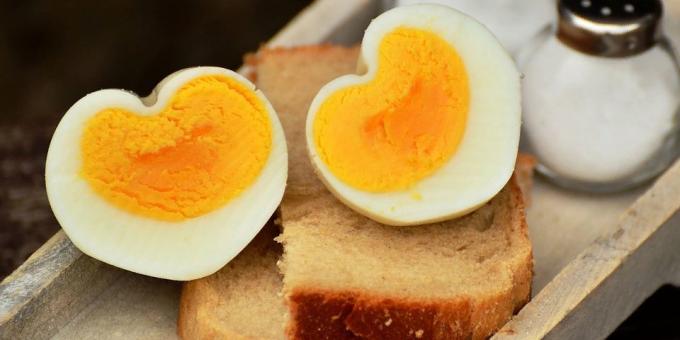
(609, 28)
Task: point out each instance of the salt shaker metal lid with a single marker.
(609, 28)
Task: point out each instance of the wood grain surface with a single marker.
(613, 275)
(54, 285)
(596, 256)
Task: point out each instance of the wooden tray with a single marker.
(597, 257)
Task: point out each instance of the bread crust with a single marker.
(329, 315)
(325, 314)
(320, 313)
(317, 313)
(524, 173)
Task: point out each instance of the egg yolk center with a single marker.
(203, 149)
(404, 124)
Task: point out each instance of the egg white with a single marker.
(183, 250)
(485, 158)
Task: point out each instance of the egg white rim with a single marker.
(183, 250)
(489, 68)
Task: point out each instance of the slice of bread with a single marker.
(241, 301)
(345, 275)
(348, 277)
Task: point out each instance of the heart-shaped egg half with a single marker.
(173, 185)
(430, 131)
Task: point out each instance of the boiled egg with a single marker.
(173, 185)
(430, 131)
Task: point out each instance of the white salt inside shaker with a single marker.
(601, 96)
(597, 119)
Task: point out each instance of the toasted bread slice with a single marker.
(349, 277)
(345, 275)
(241, 301)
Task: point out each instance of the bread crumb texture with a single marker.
(205, 147)
(241, 301)
(347, 277)
(458, 279)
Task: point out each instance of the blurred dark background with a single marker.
(54, 52)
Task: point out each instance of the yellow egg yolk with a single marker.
(405, 123)
(203, 149)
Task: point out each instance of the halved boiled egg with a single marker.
(430, 131)
(173, 185)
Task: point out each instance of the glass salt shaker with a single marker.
(601, 95)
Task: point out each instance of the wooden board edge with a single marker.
(645, 234)
(327, 21)
(563, 307)
(18, 288)
(57, 281)
(49, 289)
(324, 21)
